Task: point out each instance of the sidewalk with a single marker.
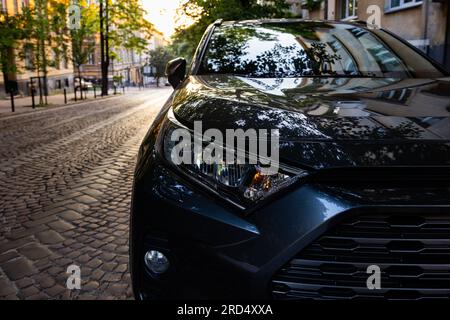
(23, 105)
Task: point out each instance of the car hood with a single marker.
(329, 122)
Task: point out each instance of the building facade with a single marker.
(423, 23)
(126, 68)
(59, 71)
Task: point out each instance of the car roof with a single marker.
(286, 20)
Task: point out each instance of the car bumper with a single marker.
(215, 252)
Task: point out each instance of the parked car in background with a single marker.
(83, 84)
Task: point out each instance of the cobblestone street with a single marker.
(65, 183)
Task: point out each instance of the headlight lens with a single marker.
(261, 185)
(249, 183)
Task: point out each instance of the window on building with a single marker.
(66, 82)
(56, 60)
(16, 6)
(29, 58)
(91, 58)
(348, 8)
(3, 5)
(58, 84)
(399, 4)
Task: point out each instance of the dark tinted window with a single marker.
(310, 49)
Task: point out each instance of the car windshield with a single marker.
(293, 49)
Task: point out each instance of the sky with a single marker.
(162, 14)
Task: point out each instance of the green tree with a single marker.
(60, 34)
(46, 31)
(158, 59)
(83, 36)
(122, 24)
(40, 40)
(128, 27)
(186, 38)
(11, 32)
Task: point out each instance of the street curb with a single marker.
(61, 106)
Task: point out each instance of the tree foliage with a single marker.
(204, 13)
(128, 28)
(158, 59)
(83, 38)
(12, 30)
(122, 26)
(59, 32)
(46, 32)
(40, 32)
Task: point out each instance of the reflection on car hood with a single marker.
(326, 122)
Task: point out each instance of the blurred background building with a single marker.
(126, 64)
(60, 70)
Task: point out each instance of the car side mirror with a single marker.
(176, 71)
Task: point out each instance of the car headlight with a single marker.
(245, 183)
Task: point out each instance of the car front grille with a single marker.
(412, 251)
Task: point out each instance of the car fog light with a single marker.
(156, 261)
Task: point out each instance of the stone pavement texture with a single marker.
(65, 183)
(24, 104)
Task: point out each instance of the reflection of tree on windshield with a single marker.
(321, 61)
(228, 46)
(290, 61)
(306, 49)
(228, 50)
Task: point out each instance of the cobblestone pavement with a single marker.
(65, 182)
(23, 104)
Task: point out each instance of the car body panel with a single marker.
(358, 122)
